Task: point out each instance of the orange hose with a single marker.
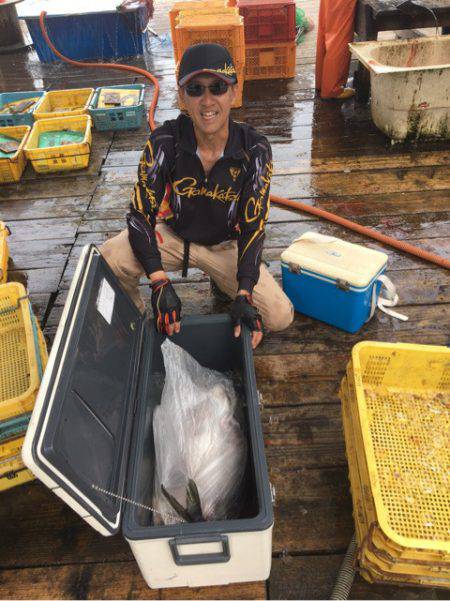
(365, 231)
(285, 202)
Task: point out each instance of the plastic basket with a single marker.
(64, 103)
(274, 61)
(11, 168)
(11, 119)
(395, 400)
(268, 21)
(4, 252)
(239, 91)
(14, 427)
(118, 117)
(60, 158)
(379, 559)
(403, 393)
(23, 352)
(12, 469)
(226, 30)
(179, 6)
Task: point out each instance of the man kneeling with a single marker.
(209, 177)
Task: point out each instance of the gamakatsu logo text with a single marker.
(188, 187)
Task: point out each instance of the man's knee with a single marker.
(118, 254)
(280, 315)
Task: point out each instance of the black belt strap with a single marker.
(185, 258)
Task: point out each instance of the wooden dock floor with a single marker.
(326, 154)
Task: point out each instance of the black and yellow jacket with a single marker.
(232, 202)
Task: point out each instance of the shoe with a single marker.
(346, 94)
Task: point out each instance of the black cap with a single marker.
(206, 58)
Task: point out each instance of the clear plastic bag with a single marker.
(199, 443)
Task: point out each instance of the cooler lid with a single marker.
(335, 259)
(78, 439)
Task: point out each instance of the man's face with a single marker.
(209, 112)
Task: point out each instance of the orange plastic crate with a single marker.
(211, 5)
(225, 30)
(274, 61)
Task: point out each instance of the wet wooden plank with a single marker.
(369, 182)
(39, 529)
(118, 580)
(426, 325)
(426, 225)
(38, 281)
(297, 392)
(310, 577)
(250, 590)
(38, 254)
(332, 184)
(313, 577)
(406, 227)
(49, 187)
(43, 208)
(44, 229)
(312, 511)
(320, 165)
(309, 436)
(401, 203)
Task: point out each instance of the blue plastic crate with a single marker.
(11, 119)
(96, 35)
(119, 117)
(14, 427)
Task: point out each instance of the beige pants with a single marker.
(219, 262)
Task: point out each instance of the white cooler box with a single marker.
(91, 433)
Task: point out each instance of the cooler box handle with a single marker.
(192, 559)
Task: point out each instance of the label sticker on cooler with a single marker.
(105, 300)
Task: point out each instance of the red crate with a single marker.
(267, 21)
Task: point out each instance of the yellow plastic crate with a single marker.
(376, 552)
(60, 158)
(64, 103)
(403, 397)
(4, 252)
(396, 408)
(365, 493)
(11, 168)
(13, 471)
(23, 353)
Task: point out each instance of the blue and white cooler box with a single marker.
(337, 282)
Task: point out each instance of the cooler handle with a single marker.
(200, 558)
(384, 302)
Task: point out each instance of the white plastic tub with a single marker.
(410, 85)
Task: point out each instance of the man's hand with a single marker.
(166, 306)
(244, 312)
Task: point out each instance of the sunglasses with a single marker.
(218, 88)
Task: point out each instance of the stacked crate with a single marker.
(196, 5)
(395, 409)
(23, 357)
(210, 22)
(270, 48)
